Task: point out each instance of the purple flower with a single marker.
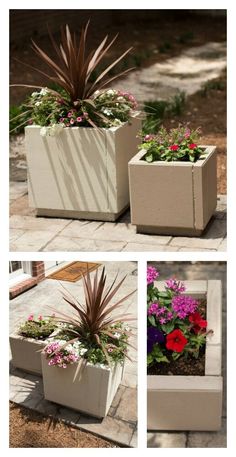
(176, 286)
(152, 274)
(154, 336)
(183, 305)
(153, 308)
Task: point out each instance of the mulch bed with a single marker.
(31, 429)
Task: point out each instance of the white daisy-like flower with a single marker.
(44, 131)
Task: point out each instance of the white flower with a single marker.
(82, 351)
(107, 111)
(44, 91)
(35, 94)
(117, 335)
(44, 131)
(111, 92)
(55, 129)
(38, 103)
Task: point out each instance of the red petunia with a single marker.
(197, 321)
(174, 147)
(176, 341)
(192, 146)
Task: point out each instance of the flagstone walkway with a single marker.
(120, 425)
(31, 233)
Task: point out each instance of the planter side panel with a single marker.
(121, 146)
(189, 409)
(205, 189)
(154, 191)
(25, 354)
(88, 393)
(67, 172)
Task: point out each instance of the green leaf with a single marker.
(176, 355)
(169, 327)
(149, 158)
(149, 359)
(152, 320)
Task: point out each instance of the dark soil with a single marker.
(184, 367)
(31, 429)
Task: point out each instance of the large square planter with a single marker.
(26, 353)
(91, 391)
(82, 172)
(192, 402)
(173, 198)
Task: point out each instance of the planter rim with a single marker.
(25, 338)
(89, 364)
(210, 149)
(103, 129)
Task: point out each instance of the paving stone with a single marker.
(68, 415)
(20, 207)
(38, 223)
(134, 440)
(127, 409)
(223, 246)
(118, 396)
(166, 440)
(110, 428)
(81, 229)
(32, 240)
(62, 243)
(47, 408)
(208, 439)
(125, 231)
(211, 239)
(140, 247)
(17, 189)
(130, 380)
(14, 234)
(196, 250)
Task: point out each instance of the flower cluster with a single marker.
(59, 356)
(152, 274)
(179, 144)
(176, 325)
(38, 327)
(53, 111)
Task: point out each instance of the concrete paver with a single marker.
(31, 233)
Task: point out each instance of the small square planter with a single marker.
(173, 198)
(91, 392)
(192, 402)
(81, 173)
(26, 353)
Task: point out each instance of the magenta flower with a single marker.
(72, 121)
(69, 114)
(184, 305)
(152, 274)
(31, 317)
(79, 119)
(176, 286)
(153, 308)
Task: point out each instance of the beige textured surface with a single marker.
(172, 197)
(90, 391)
(80, 170)
(26, 353)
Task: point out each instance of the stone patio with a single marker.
(190, 271)
(120, 425)
(31, 233)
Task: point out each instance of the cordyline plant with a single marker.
(102, 335)
(72, 72)
(176, 326)
(178, 144)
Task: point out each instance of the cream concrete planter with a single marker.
(82, 172)
(173, 198)
(91, 392)
(192, 402)
(26, 353)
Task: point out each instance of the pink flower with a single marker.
(72, 121)
(31, 317)
(109, 350)
(192, 146)
(79, 119)
(148, 138)
(40, 318)
(61, 119)
(69, 114)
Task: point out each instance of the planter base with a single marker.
(174, 231)
(84, 215)
(26, 354)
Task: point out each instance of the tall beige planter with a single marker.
(173, 198)
(91, 392)
(192, 402)
(26, 353)
(82, 172)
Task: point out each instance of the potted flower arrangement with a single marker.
(28, 341)
(81, 135)
(83, 366)
(183, 354)
(173, 187)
